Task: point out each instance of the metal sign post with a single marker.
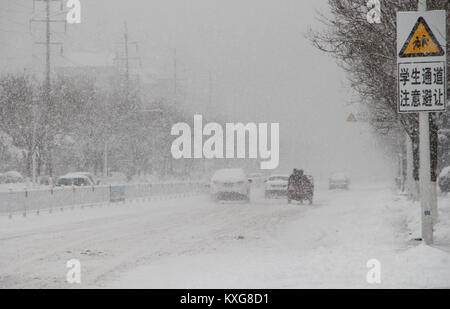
(424, 177)
(422, 86)
(425, 168)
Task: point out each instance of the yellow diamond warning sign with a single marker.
(421, 42)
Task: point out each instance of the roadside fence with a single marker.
(24, 202)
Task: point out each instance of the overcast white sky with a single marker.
(262, 67)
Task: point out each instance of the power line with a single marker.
(48, 21)
(126, 58)
(48, 42)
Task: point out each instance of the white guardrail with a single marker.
(58, 198)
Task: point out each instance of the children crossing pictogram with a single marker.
(421, 42)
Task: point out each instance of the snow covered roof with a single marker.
(74, 175)
(13, 174)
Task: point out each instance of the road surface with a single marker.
(195, 243)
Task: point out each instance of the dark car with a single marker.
(74, 179)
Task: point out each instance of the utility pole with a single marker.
(425, 165)
(47, 79)
(124, 62)
(210, 89)
(105, 159)
(47, 49)
(175, 73)
(48, 42)
(127, 62)
(33, 154)
(126, 59)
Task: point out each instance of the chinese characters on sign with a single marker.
(421, 86)
(421, 62)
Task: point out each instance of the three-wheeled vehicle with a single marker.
(302, 191)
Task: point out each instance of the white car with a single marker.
(230, 184)
(276, 186)
(338, 181)
(12, 177)
(256, 179)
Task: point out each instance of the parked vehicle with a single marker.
(12, 177)
(338, 181)
(91, 177)
(444, 179)
(230, 184)
(256, 179)
(74, 179)
(302, 191)
(276, 186)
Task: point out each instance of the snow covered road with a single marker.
(195, 243)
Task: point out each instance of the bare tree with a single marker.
(367, 52)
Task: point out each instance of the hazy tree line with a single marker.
(368, 53)
(79, 123)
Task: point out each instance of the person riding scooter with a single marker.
(297, 177)
(300, 187)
